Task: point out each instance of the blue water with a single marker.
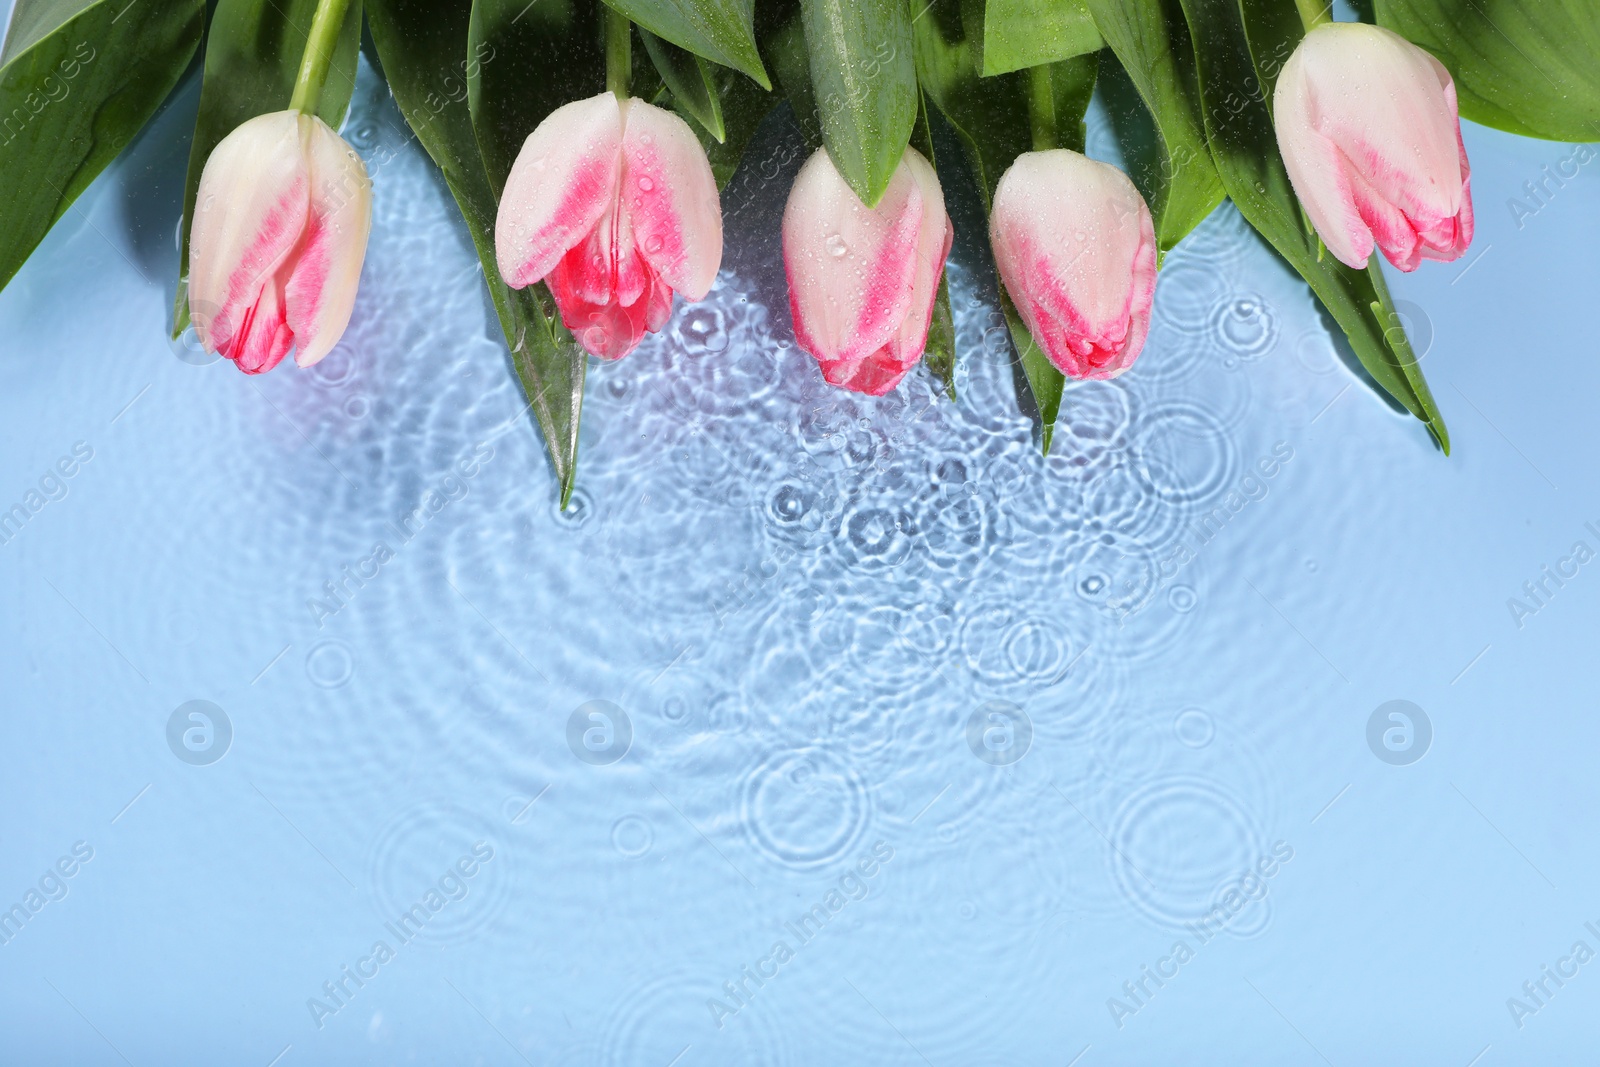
(820, 729)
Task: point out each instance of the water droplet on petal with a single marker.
(646, 184)
(653, 244)
(836, 246)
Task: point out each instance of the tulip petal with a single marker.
(563, 182)
(321, 290)
(1369, 130)
(851, 268)
(1075, 246)
(933, 248)
(669, 195)
(875, 375)
(263, 337)
(251, 208)
(606, 328)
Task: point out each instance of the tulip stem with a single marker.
(1042, 109)
(1314, 13)
(318, 58)
(619, 53)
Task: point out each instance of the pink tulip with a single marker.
(862, 281)
(612, 201)
(280, 231)
(1367, 125)
(1077, 253)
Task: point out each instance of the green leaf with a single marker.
(722, 31)
(1527, 66)
(1045, 380)
(1234, 90)
(425, 49)
(991, 114)
(865, 81)
(939, 350)
(783, 44)
(1017, 34)
(689, 79)
(743, 105)
(76, 84)
(253, 52)
(1173, 171)
(538, 58)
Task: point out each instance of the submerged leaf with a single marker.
(426, 47)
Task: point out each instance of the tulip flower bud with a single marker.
(862, 281)
(614, 202)
(1077, 252)
(1367, 125)
(280, 231)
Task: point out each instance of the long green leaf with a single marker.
(742, 105)
(1017, 34)
(722, 31)
(76, 84)
(425, 51)
(253, 51)
(865, 81)
(1237, 43)
(688, 78)
(1528, 66)
(939, 350)
(1177, 177)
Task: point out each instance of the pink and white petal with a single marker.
(850, 267)
(933, 248)
(660, 306)
(1380, 99)
(563, 182)
(633, 275)
(1066, 232)
(250, 212)
(606, 328)
(874, 375)
(326, 267)
(263, 336)
(1391, 230)
(670, 195)
(1450, 242)
(1318, 170)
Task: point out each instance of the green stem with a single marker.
(1042, 109)
(619, 53)
(318, 58)
(1314, 13)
